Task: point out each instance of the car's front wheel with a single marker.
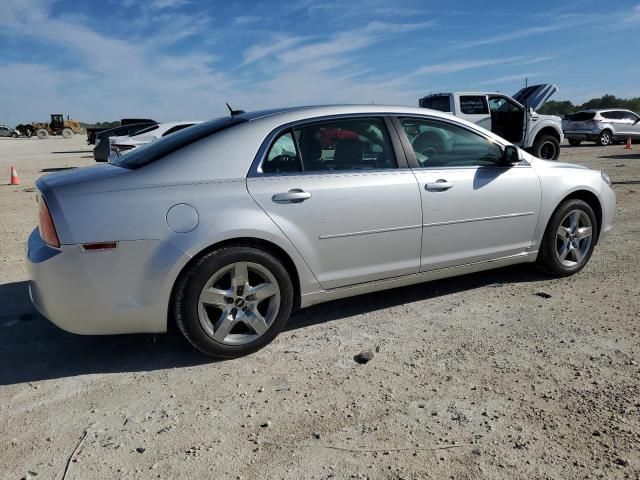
(546, 147)
(569, 239)
(233, 301)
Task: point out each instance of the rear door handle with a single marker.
(438, 185)
(295, 195)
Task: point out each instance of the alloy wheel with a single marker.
(239, 303)
(573, 238)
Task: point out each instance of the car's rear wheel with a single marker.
(605, 138)
(546, 147)
(574, 143)
(233, 301)
(569, 239)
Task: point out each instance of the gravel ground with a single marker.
(506, 374)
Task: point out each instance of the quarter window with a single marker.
(353, 144)
(283, 156)
(439, 144)
(473, 104)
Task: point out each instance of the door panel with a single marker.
(474, 207)
(487, 213)
(353, 227)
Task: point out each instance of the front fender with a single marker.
(538, 127)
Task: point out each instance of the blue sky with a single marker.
(182, 59)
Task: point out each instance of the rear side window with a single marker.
(582, 116)
(353, 144)
(438, 102)
(611, 115)
(473, 104)
(154, 151)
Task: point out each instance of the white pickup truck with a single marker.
(513, 118)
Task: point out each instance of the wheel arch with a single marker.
(548, 130)
(254, 242)
(588, 197)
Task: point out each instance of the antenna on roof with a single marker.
(234, 112)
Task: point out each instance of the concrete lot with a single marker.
(474, 377)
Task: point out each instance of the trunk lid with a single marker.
(536, 95)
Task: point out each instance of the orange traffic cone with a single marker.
(628, 145)
(15, 180)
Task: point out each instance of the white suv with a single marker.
(604, 126)
(513, 118)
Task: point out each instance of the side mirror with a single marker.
(510, 156)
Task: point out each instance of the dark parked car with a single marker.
(92, 132)
(101, 150)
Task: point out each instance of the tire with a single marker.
(546, 147)
(14, 135)
(219, 332)
(605, 138)
(552, 248)
(41, 133)
(67, 133)
(574, 143)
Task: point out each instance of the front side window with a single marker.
(473, 104)
(629, 116)
(336, 145)
(439, 144)
(501, 104)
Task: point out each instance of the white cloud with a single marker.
(510, 78)
(160, 4)
(246, 19)
(453, 67)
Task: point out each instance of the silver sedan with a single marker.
(229, 225)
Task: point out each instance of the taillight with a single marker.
(47, 229)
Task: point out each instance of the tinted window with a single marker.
(440, 144)
(501, 104)
(611, 115)
(629, 116)
(581, 116)
(438, 102)
(177, 128)
(354, 144)
(283, 156)
(153, 151)
(473, 104)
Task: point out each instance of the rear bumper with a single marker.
(126, 290)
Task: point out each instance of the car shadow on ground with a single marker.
(56, 169)
(32, 348)
(76, 151)
(622, 156)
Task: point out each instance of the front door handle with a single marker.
(438, 185)
(295, 195)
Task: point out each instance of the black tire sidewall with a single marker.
(186, 305)
(541, 141)
(548, 258)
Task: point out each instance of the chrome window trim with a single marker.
(411, 157)
(255, 171)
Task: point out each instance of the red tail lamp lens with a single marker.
(47, 228)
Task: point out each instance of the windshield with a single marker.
(153, 151)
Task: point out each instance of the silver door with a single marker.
(474, 209)
(351, 223)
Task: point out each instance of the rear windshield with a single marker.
(581, 116)
(153, 151)
(440, 102)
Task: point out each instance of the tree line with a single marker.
(565, 107)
